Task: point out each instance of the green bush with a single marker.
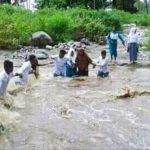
(18, 24)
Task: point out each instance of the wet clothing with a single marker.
(133, 45)
(102, 74)
(83, 61)
(103, 64)
(112, 40)
(24, 71)
(60, 66)
(4, 80)
(71, 69)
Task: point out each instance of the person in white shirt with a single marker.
(60, 64)
(5, 77)
(103, 64)
(133, 45)
(26, 69)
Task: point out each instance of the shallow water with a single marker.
(83, 114)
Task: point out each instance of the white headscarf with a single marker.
(71, 58)
(132, 37)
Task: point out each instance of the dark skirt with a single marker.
(133, 51)
(83, 73)
(70, 72)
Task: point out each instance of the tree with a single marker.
(93, 4)
(146, 5)
(5, 1)
(126, 5)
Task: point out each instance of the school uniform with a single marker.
(112, 40)
(24, 71)
(133, 45)
(4, 80)
(103, 65)
(60, 64)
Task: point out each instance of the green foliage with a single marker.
(18, 24)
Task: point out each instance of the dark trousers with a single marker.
(102, 74)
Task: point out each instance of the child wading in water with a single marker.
(83, 61)
(28, 67)
(5, 77)
(71, 69)
(60, 64)
(103, 63)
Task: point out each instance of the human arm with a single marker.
(121, 39)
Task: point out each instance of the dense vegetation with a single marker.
(17, 24)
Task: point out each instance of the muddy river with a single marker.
(83, 114)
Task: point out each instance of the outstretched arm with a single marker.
(121, 39)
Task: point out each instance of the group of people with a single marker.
(132, 41)
(73, 63)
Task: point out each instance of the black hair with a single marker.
(62, 51)
(32, 57)
(103, 52)
(8, 64)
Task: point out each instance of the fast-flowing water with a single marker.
(83, 114)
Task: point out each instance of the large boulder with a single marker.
(41, 39)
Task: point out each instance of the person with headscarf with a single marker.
(71, 69)
(83, 61)
(112, 40)
(133, 45)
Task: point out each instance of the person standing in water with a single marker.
(60, 64)
(103, 64)
(112, 40)
(83, 61)
(133, 45)
(71, 69)
(5, 77)
(29, 67)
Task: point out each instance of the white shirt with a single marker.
(114, 36)
(4, 80)
(60, 65)
(132, 38)
(103, 63)
(24, 70)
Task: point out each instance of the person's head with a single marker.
(62, 53)
(8, 66)
(103, 53)
(133, 30)
(114, 29)
(81, 51)
(33, 59)
(71, 52)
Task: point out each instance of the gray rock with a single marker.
(48, 47)
(41, 54)
(41, 39)
(77, 44)
(85, 41)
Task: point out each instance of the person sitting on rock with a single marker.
(82, 62)
(103, 63)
